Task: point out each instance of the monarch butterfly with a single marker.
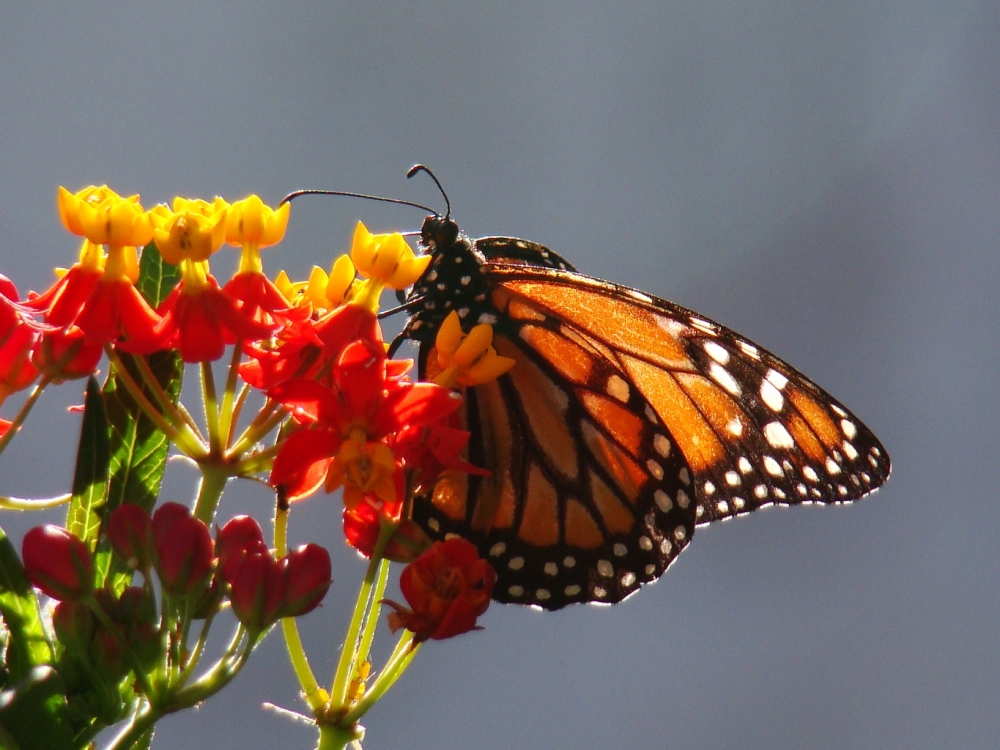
(626, 422)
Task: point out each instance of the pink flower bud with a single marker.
(257, 591)
(307, 572)
(184, 551)
(234, 541)
(57, 562)
(130, 533)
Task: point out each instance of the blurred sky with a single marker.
(822, 177)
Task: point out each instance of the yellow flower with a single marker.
(361, 466)
(189, 232)
(386, 258)
(251, 222)
(69, 204)
(467, 359)
(104, 217)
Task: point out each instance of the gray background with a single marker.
(822, 177)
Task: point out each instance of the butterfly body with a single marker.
(625, 422)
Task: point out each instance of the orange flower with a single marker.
(448, 587)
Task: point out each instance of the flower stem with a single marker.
(332, 737)
(211, 399)
(14, 426)
(20, 503)
(142, 721)
(348, 656)
(213, 482)
(401, 657)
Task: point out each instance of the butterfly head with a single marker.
(438, 232)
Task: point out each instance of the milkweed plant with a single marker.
(105, 620)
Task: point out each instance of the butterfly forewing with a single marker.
(753, 429)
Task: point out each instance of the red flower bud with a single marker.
(63, 355)
(258, 589)
(165, 517)
(57, 562)
(184, 550)
(130, 533)
(448, 587)
(74, 626)
(110, 655)
(234, 541)
(362, 525)
(308, 575)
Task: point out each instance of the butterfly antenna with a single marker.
(421, 168)
(291, 196)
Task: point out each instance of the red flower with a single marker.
(57, 562)
(198, 320)
(448, 587)
(258, 298)
(346, 442)
(363, 523)
(18, 334)
(65, 354)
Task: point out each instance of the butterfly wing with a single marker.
(753, 430)
(588, 497)
(625, 421)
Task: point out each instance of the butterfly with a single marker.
(625, 422)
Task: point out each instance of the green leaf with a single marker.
(138, 450)
(157, 278)
(27, 645)
(33, 712)
(90, 480)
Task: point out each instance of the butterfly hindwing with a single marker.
(587, 499)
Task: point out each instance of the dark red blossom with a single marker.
(57, 563)
(308, 575)
(240, 537)
(130, 534)
(257, 590)
(65, 354)
(184, 550)
(448, 588)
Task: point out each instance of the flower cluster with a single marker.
(137, 584)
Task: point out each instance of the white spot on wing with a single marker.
(662, 501)
(618, 388)
(771, 396)
(515, 563)
(776, 379)
(721, 376)
(777, 436)
(717, 352)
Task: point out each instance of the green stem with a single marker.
(401, 657)
(142, 720)
(271, 415)
(22, 414)
(374, 610)
(176, 410)
(213, 482)
(332, 737)
(178, 432)
(210, 396)
(20, 503)
(348, 655)
(228, 395)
